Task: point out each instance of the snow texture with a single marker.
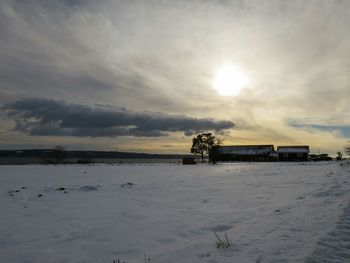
(335, 247)
(271, 212)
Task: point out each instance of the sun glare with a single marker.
(229, 80)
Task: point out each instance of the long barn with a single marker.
(253, 153)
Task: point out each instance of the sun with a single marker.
(229, 80)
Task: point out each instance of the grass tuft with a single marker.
(222, 242)
(147, 259)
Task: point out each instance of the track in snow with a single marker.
(335, 247)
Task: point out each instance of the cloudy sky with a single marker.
(148, 75)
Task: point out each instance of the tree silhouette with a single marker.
(347, 150)
(340, 156)
(203, 143)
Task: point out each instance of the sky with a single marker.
(147, 76)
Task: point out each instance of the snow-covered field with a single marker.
(271, 212)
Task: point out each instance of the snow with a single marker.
(271, 212)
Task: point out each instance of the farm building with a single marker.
(262, 153)
(293, 153)
(188, 160)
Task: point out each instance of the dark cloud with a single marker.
(167, 146)
(44, 117)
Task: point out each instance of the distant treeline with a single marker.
(51, 153)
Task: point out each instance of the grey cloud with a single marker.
(82, 51)
(314, 125)
(62, 49)
(43, 117)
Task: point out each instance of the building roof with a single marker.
(246, 149)
(293, 149)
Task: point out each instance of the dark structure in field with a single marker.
(189, 160)
(253, 153)
(293, 153)
(320, 157)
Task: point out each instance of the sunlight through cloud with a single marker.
(229, 80)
